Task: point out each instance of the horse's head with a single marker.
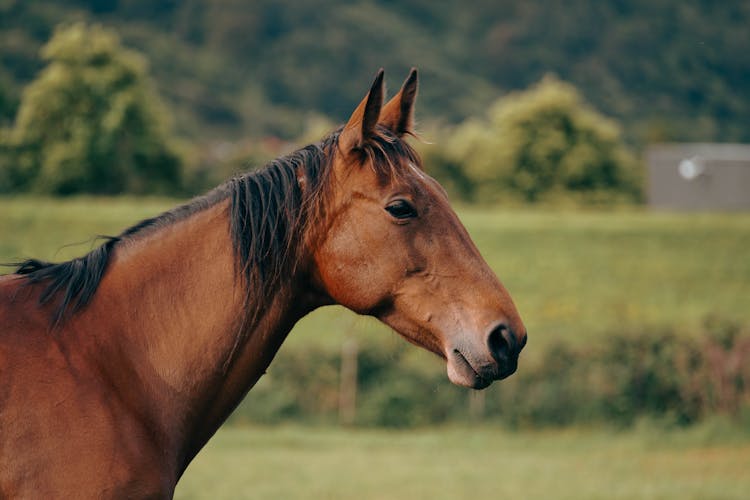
(393, 248)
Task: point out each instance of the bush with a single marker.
(540, 144)
(662, 375)
(659, 375)
(91, 122)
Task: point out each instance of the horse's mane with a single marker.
(269, 212)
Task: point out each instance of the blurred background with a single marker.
(596, 151)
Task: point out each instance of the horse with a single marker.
(118, 366)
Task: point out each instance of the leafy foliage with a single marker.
(90, 122)
(539, 143)
(662, 375)
(667, 70)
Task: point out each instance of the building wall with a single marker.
(699, 176)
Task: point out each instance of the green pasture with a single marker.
(459, 463)
(575, 276)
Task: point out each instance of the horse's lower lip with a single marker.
(461, 372)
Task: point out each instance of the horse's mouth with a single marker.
(461, 372)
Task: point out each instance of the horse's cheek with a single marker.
(350, 275)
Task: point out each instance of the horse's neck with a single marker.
(177, 304)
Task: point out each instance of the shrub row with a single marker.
(658, 374)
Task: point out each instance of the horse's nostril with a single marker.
(501, 343)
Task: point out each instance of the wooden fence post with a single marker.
(348, 382)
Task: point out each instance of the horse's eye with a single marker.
(401, 209)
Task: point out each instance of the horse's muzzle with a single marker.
(466, 369)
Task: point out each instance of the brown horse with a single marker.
(117, 367)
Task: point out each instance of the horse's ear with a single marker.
(361, 125)
(398, 113)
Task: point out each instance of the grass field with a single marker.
(451, 464)
(575, 276)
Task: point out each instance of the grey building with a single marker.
(697, 176)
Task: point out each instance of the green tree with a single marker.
(91, 122)
(541, 143)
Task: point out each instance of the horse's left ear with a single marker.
(362, 123)
(398, 113)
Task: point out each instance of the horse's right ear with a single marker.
(361, 125)
(398, 113)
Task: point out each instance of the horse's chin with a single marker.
(460, 372)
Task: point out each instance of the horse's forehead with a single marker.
(415, 170)
(423, 182)
(406, 175)
(411, 177)
(401, 172)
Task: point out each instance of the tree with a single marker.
(543, 142)
(91, 122)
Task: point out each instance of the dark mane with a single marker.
(268, 214)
